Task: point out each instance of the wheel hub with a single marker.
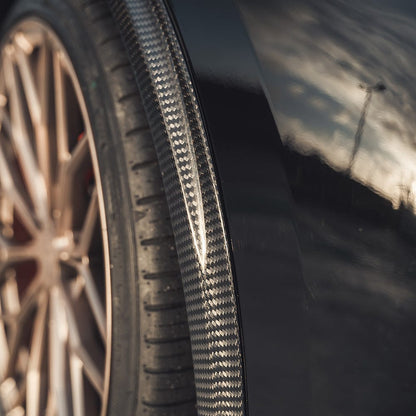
(53, 250)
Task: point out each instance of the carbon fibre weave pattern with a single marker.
(194, 205)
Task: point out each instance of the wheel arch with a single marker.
(194, 202)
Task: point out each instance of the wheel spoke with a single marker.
(42, 133)
(29, 87)
(77, 156)
(68, 169)
(6, 216)
(90, 369)
(58, 335)
(9, 394)
(92, 294)
(14, 253)
(33, 378)
(37, 100)
(77, 384)
(30, 297)
(17, 411)
(11, 299)
(4, 349)
(11, 190)
(60, 109)
(50, 405)
(18, 325)
(10, 255)
(88, 226)
(24, 151)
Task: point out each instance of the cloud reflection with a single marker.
(316, 56)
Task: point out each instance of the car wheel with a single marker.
(93, 318)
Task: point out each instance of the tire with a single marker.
(150, 371)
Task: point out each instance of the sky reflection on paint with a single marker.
(315, 56)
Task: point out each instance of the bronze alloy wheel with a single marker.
(54, 329)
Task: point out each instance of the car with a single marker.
(207, 207)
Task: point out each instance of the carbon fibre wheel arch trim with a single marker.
(190, 184)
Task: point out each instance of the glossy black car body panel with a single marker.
(340, 77)
(322, 220)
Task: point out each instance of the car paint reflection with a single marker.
(340, 78)
(319, 60)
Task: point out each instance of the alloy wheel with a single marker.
(54, 269)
